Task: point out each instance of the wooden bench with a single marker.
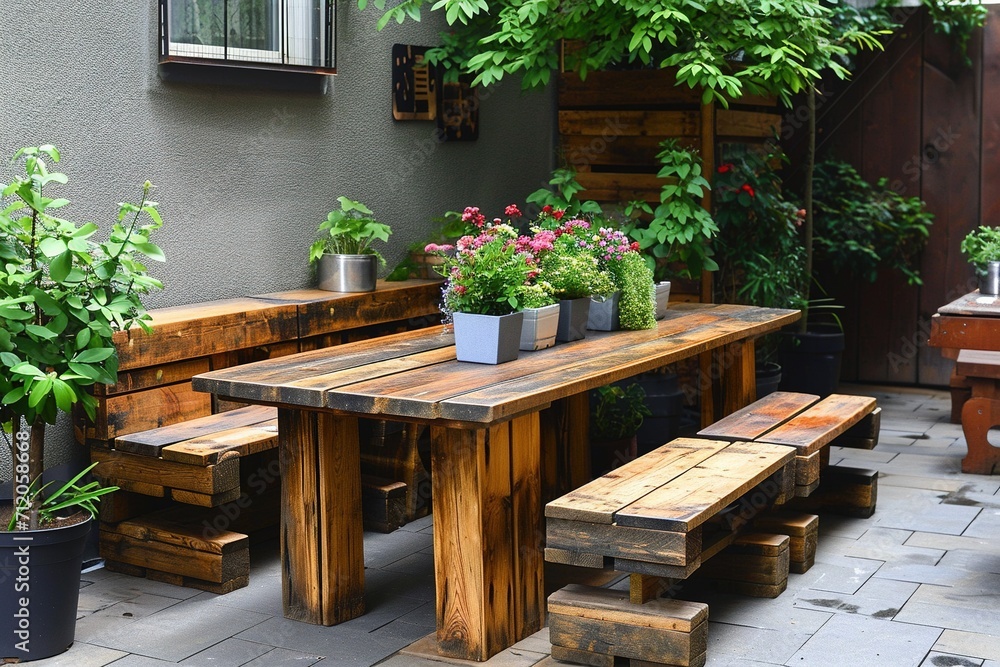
(980, 411)
(198, 473)
(808, 424)
(660, 517)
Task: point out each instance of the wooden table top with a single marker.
(973, 303)
(415, 375)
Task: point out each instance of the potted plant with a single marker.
(616, 414)
(541, 317)
(486, 275)
(421, 264)
(345, 258)
(982, 248)
(632, 305)
(568, 265)
(62, 296)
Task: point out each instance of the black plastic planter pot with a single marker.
(768, 378)
(810, 361)
(40, 590)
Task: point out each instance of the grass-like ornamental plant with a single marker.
(63, 293)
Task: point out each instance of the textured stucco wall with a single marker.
(244, 176)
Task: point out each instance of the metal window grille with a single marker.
(255, 33)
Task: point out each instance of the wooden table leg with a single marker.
(322, 548)
(488, 557)
(739, 383)
(979, 414)
(565, 428)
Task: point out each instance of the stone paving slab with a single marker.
(282, 657)
(937, 659)
(82, 655)
(878, 598)
(729, 643)
(121, 615)
(971, 561)
(971, 644)
(228, 653)
(850, 639)
(949, 617)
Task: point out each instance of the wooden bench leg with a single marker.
(978, 416)
(322, 549)
(961, 391)
(487, 536)
(843, 490)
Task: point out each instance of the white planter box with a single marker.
(538, 331)
(662, 296)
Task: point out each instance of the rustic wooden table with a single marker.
(972, 322)
(487, 435)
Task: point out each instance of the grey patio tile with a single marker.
(407, 632)
(728, 643)
(109, 590)
(282, 657)
(423, 616)
(339, 645)
(863, 457)
(849, 639)
(262, 595)
(831, 525)
(877, 598)
(948, 542)
(383, 549)
(947, 519)
(418, 563)
(949, 617)
(976, 590)
(937, 659)
(81, 654)
(417, 525)
(760, 613)
(227, 653)
(420, 587)
(892, 439)
(971, 561)
(945, 429)
(380, 610)
(939, 575)
(414, 661)
(121, 614)
(972, 644)
(179, 631)
(538, 642)
(987, 524)
(929, 483)
(838, 575)
(424, 652)
(831, 547)
(142, 661)
(923, 464)
(887, 544)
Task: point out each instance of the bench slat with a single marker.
(244, 440)
(760, 417)
(598, 500)
(821, 423)
(151, 442)
(700, 493)
(978, 363)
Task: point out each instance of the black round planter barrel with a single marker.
(40, 590)
(810, 361)
(768, 378)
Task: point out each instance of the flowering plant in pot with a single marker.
(63, 294)
(486, 278)
(635, 305)
(345, 256)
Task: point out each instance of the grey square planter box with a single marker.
(604, 313)
(539, 328)
(573, 314)
(487, 339)
(662, 291)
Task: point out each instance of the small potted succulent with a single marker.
(982, 248)
(63, 294)
(486, 276)
(344, 256)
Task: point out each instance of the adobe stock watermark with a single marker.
(21, 476)
(22, 588)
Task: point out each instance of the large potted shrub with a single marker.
(345, 258)
(64, 290)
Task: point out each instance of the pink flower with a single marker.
(434, 247)
(512, 211)
(472, 216)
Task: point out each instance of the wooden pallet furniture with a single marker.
(968, 331)
(802, 530)
(662, 517)
(489, 429)
(212, 464)
(804, 422)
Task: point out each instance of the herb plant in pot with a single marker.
(62, 295)
(982, 248)
(486, 278)
(616, 414)
(344, 256)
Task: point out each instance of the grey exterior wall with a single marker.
(244, 176)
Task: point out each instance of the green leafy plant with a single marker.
(862, 227)
(63, 294)
(980, 246)
(69, 495)
(631, 277)
(957, 19)
(677, 235)
(568, 264)
(618, 412)
(446, 230)
(349, 231)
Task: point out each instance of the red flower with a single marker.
(558, 215)
(634, 246)
(723, 168)
(547, 209)
(512, 211)
(747, 189)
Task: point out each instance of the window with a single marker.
(277, 34)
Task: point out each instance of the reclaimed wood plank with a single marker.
(116, 466)
(599, 500)
(623, 89)
(243, 440)
(160, 406)
(701, 492)
(739, 387)
(615, 124)
(820, 424)
(528, 524)
(152, 441)
(756, 419)
(746, 124)
(175, 559)
(612, 541)
(155, 376)
(614, 606)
